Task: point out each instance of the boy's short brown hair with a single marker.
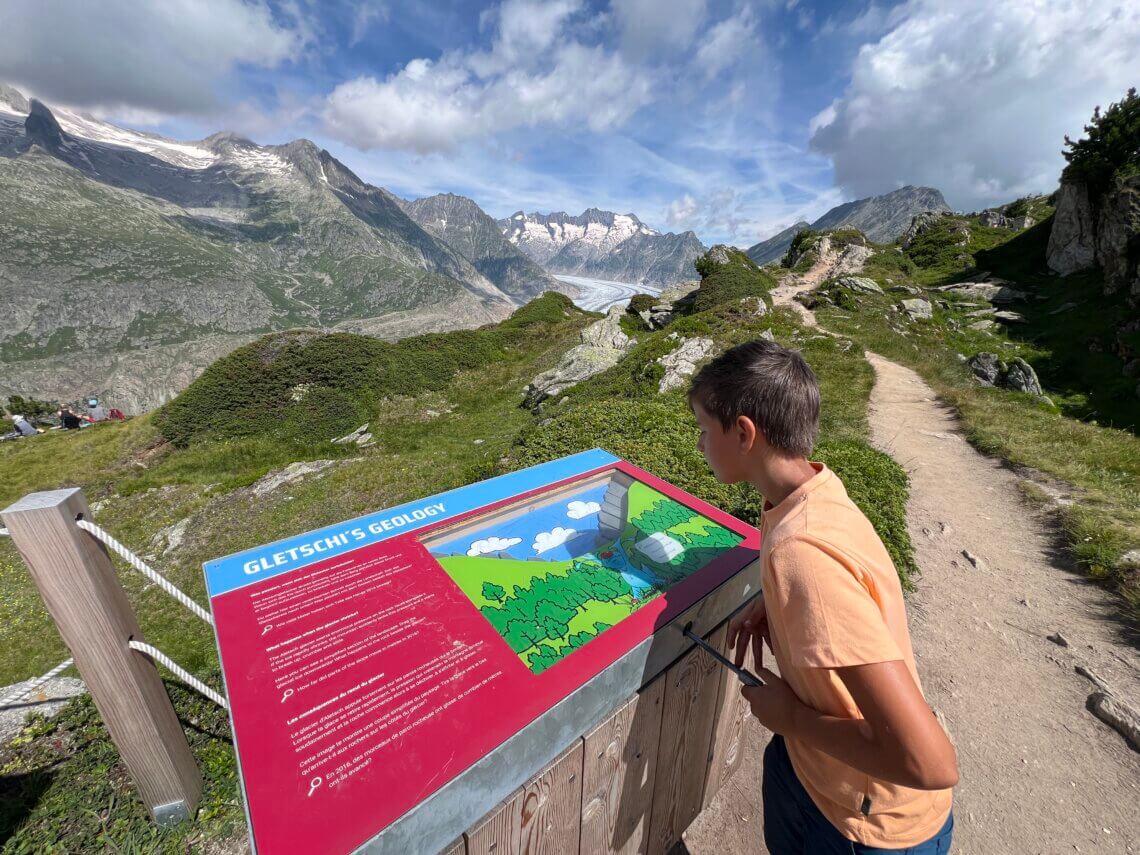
(772, 385)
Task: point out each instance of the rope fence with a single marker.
(179, 672)
(166, 585)
(18, 695)
(144, 568)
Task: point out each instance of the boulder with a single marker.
(602, 345)
(918, 309)
(681, 363)
(998, 220)
(47, 700)
(1009, 317)
(755, 306)
(987, 368)
(1072, 240)
(919, 224)
(852, 259)
(293, 472)
(1022, 378)
(859, 283)
(357, 436)
(993, 219)
(992, 292)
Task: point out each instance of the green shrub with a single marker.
(31, 407)
(1111, 147)
(804, 240)
(264, 387)
(846, 237)
(730, 281)
(642, 303)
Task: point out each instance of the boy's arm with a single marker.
(898, 739)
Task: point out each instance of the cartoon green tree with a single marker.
(491, 591)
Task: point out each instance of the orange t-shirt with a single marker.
(834, 600)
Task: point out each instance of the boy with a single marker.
(857, 762)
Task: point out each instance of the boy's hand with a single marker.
(750, 625)
(774, 704)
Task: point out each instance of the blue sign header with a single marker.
(244, 568)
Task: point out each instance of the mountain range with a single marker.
(129, 262)
(466, 228)
(881, 218)
(604, 245)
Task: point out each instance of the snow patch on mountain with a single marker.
(604, 245)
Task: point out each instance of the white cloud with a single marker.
(658, 26)
(976, 98)
(535, 74)
(167, 57)
(363, 17)
(492, 544)
(680, 213)
(547, 540)
(726, 42)
(577, 509)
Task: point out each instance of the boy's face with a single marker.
(726, 451)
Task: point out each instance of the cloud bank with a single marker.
(166, 58)
(975, 97)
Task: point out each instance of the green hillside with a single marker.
(444, 410)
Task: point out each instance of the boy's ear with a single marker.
(746, 432)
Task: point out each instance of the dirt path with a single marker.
(1039, 773)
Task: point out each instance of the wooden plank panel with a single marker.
(619, 769)
(727, 749)
(498, 832)
(457, 847)
(692, 687)
(551, 809)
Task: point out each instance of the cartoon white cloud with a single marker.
(557, 536)
(578, 509)
(492, 544)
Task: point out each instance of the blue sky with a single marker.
(730, 118)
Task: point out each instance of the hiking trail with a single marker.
(1039, 772)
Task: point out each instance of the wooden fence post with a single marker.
(78, 583)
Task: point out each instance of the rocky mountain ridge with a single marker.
(122, 254)
(881, 218)
(465, 227)
(604, 245)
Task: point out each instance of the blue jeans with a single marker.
(793, 825)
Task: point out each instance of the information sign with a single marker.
(369, 663)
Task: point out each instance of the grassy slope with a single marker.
(63, 788)
(1101, 461)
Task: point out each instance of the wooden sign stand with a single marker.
(81, 590)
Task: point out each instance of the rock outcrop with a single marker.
(1018, 376)
(1072, 240)
(601, 346)
(859, 283)
(680, 364)
(998, 220)
(1105, 231)
(293, 472)
(918, 309)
